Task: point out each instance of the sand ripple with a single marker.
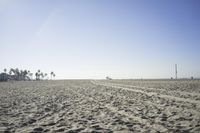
(99, 106)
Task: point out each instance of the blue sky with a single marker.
(96, 38)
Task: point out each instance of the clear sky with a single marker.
(98, 38)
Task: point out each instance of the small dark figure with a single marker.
(108, 78)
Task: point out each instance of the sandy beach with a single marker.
(119, 106)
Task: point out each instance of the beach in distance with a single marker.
(119, 106)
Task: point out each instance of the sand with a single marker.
(119, 106)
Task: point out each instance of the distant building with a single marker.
(3, 77)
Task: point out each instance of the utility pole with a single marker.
(176, 70)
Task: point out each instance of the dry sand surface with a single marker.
(120, 106)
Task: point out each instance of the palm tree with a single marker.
(17, 73)
(51, 74)
(11, 70)
(36, 76)
(25, 73)
(28, 75)
(54, 75)
(5, 70)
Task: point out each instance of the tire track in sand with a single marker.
(148, 93)
(137, 119)
(155, 89)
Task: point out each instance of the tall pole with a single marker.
(176, 70)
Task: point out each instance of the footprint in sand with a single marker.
(37, 130)
(47, 109)
(60, 130)
(31, 121)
